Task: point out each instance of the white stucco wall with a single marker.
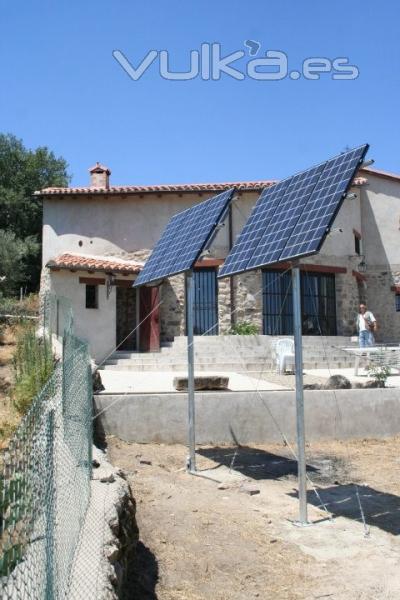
(115, 225)
(381, 221)
(95, 325)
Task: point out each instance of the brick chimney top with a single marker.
(100, 176)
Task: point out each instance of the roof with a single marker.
(85, 262)
(241, 186)
(380, 173)
(159, 189)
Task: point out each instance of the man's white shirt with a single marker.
(361, 321)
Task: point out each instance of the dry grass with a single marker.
(9, 417)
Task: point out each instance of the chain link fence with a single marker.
(45, 474)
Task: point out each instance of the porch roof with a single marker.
(85, 262)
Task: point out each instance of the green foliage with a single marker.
(380, 373)
(244, 328)
(15, 259)
(22, 172)
(33, 364)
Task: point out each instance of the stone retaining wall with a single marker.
(251, 417)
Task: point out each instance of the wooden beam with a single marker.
(92, 281)
(126, 283)
(209, 262)
(283, 266)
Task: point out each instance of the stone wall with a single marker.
(248, 299)
(172, 309)
(104, 559)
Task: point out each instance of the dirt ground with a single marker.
(200, 540)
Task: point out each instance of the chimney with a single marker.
(100, 177)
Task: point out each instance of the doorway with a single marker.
(126, 318)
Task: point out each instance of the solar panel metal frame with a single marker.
(251, 265)
(204, 238)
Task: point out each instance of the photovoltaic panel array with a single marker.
(292, 218)
(184, 239)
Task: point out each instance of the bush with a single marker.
(29, 305)
(380, 373)
(33, 365)
(244, 328)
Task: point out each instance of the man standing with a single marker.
(366, 325)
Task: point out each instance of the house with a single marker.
(97, 238)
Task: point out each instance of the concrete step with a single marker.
(228, 367)
(233, 360)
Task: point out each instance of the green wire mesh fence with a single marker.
(45, 479)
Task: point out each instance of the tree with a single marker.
(14, 254)
(22, 172)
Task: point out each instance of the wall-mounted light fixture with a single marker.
(110, 281)
(362, 265)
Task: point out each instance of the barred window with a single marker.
(92, 300)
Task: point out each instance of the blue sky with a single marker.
(61, 86)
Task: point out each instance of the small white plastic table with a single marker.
(389, 355)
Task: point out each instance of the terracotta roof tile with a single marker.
(95, 263)
(143, 189)
(241, 186)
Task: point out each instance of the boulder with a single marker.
(337, 382)
(97, 383)
(370, 383)
(201, 383)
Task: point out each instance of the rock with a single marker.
(112, 553)
(248, 488)
(337, 382)
(210, 382)
(224, 486)
(372, 383)
(144, 461)
(97, 383)
(312, 386)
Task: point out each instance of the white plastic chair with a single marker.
(284, 349)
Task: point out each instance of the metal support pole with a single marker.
(301, 452)
(191, 464)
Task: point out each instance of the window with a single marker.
(205, 310)
(357, 244)
(318, 303)
(92, 300)
(397, 300)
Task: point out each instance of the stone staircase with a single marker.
(240, 354)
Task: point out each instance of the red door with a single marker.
(149, 335)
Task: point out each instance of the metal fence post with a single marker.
(301, 453)
(49, 508)
(190, 350)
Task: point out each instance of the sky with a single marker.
(62, 87)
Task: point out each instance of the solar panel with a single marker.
(252, 232)
(184, 239)
(291, 218)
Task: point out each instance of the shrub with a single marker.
(244, 328)
(380, 373)
(29, 305)
(33, 364)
